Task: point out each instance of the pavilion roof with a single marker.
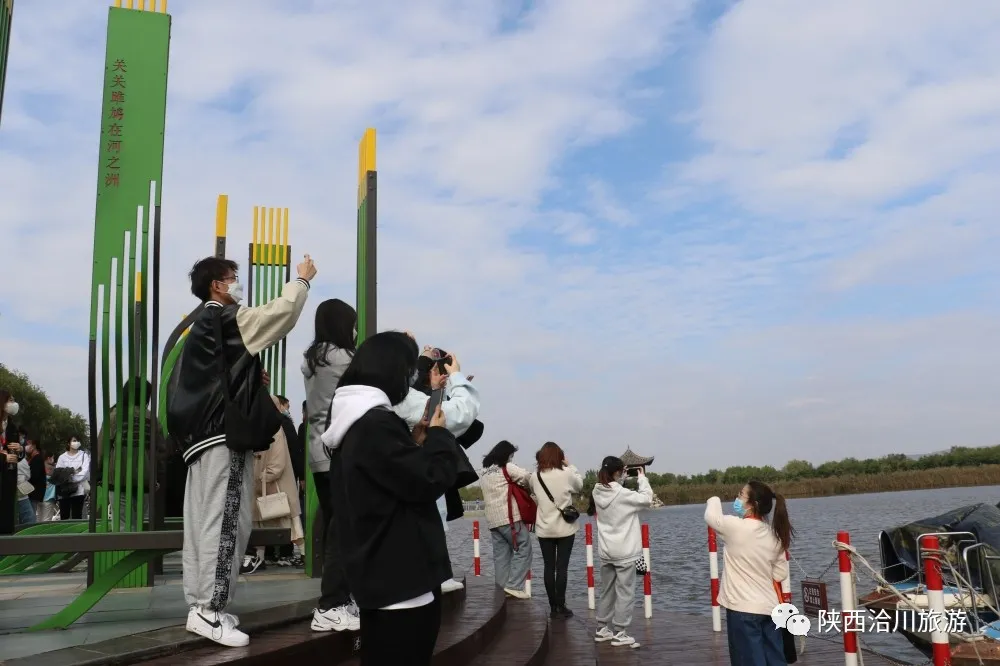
(632, 459)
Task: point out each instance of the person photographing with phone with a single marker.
(385, 480)
(439, 381)
(619, 546)
(219, 411)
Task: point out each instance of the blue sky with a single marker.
(717, 232)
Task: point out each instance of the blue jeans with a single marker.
(510, 567)
(754, 640)
(25, 512)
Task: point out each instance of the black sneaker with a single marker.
(252, 564)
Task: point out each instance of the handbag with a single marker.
(569, 512)
(787, 639)
(244, 431)
(25, 488)
(273, 507)
(526, 506)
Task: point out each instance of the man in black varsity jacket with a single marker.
(219, 494)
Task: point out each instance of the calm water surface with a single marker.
(679, 549)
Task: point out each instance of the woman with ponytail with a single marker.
(619, 545)
(753, 558)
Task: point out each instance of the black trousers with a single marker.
(71, 508)
(334, 589)
(400, 637)
(555, 554)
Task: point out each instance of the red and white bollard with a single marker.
(527, 583)
(713, 568)
(847, 603)
(647, 583)
(589, 532)
(940, 649)
(475, 546)
(786, 585)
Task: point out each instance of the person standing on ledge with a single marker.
(218, 497)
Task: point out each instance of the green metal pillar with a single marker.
(122, 339)
(6, 17)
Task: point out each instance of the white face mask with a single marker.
(75, 445)
(236, 291)
(12, 408)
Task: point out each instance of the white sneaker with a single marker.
(603, 635)
(335, 619)
(451, 585)
(218, 627)
(621, 638)
(517, 594)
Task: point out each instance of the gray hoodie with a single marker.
(319, 395)
(619, 534)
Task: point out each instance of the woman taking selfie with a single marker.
(553, 484)
(753, 558)
(384, 483)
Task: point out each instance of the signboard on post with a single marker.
(814, 597)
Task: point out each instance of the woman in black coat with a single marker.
(388, 479)
(10, 453)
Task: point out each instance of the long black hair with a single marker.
(761, 499)
(335, 322)
(384, 361)
(610, 466)
(499, 455)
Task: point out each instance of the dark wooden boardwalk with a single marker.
(674, 639)
(480, 627)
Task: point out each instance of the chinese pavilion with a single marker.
(632, 459)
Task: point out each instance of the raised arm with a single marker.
(262, 326)
(462, 406)
(716, 519)
(641, 499)
(519, 475)
(575, 480)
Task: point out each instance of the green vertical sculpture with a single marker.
(366, 307)
(269, 269)
(6, 16)
(367, 207)
(123, 343)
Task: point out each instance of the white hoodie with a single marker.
(460, 409)
(350, 403)
(619, 534)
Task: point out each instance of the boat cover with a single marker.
(899, 544)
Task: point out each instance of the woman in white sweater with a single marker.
(753, 558)
(71, 505)
(619, 545)
(553, 486)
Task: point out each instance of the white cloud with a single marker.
(687, 336)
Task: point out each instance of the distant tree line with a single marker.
(47, 424)
(797, 470)
(800, 478)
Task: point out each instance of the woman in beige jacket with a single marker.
(273, 473)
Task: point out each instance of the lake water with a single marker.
(679, 549)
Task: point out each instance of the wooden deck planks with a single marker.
(681, 639)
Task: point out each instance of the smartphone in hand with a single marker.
(437, 396)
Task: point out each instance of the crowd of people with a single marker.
(385, 430)
(38, 484)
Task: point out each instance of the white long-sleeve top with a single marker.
(79, 461)
(460, 409)
(752, 560)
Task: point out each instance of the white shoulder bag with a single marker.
(274, 506)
